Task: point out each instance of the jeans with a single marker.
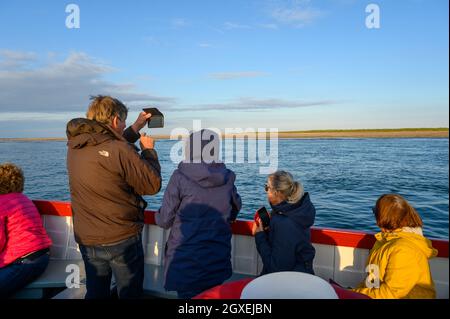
(125, 260)
(19, 274)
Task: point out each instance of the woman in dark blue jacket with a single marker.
(286, 244)
(199, 203)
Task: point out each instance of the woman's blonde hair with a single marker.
(11, 179)
(392, 211)
(283, 182)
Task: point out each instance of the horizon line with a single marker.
(413, 132)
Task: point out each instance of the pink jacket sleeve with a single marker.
(2, 233)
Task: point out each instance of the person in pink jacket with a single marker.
(24, 243)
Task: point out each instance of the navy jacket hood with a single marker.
(302, 213)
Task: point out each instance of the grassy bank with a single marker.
(387, 130)
(356, 133)
(370, 133)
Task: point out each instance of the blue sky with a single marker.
(294, 65)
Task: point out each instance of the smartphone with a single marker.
(157, 119)
(264, 216)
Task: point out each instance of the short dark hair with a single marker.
(104, 108)
(11, 179)
(392, 211)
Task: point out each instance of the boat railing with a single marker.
(340, 254)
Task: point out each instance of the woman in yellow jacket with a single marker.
(398, 262)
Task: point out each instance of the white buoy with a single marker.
(288, 285)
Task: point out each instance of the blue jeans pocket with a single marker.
(127, 252)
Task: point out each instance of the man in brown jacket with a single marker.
(107, 178)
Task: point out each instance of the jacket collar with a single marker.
(285, 207)
(82, 132)
(400, 232)
(79, 126)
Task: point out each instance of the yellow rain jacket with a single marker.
(401, 258)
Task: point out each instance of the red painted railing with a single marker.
(325, 236)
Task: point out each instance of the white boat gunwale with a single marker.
(340, 254)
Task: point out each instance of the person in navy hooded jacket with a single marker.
(199, 203)
(286, 244)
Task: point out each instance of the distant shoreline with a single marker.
(358, 133)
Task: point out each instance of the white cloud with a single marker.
(179, 23)
(272, 26)
(13, 59)
(239, 26)
(41, 116)
(297, 13)
(17, 55)
(236, 75)
(251, 104)
(233, 25)
(205, 45)
(60, 86)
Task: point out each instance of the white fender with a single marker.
(288, 285)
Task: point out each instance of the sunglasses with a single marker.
(266, 187)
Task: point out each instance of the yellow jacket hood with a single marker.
(422, 243)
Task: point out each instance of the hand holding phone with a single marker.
(141, 121)
(264, 216)
(157, 118)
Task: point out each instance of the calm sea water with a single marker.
(344, 176)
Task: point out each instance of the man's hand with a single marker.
(141, 121)
(146, 142)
